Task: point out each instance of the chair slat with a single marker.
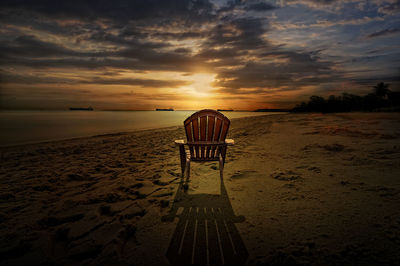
(188, 129)
(210, 133)
(224, 131)
(203, 127)
(195, 124)
(189, 136)
(217, 133)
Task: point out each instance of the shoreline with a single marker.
(83, 137)
(106, 134)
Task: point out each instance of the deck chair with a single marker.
(206, 131)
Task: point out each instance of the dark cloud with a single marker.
(167, 63)
(29, 46)
(29, 51)
(366, 84)
(240, 34)
(382, 33)
(182, 50)
(312, 3)
(178, 36)
(250, 5)
(124, 40)
(259, 6)
(391, 8)
(33, 79)
(153, 83)
(291, 74)
(134, 46)
(226, 41)
(322, 2)
(221, 53)
(117, 10)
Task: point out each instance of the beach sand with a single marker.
(298, 189)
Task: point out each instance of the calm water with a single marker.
(19, 127)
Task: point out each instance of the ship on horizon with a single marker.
(81, 108)
(164, 109)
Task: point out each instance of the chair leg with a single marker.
(221, 168)
(182, 155)
(187, 175)
(187, 166)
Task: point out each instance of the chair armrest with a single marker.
(183, 142)
(229, 142)
(180, 142)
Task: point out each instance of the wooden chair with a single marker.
(206, 131)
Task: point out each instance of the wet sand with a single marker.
(297, 189)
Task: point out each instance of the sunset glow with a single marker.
(194, 54)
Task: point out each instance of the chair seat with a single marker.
(203, 159)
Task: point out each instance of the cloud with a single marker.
(389, 7)
(249, 5)
(258, 6)
(30, 46)
(117, 10)
(324, 23)
(313, 2)
(151, 83)
(252, 47)
(382, 33)
(9, 78)
(30, 51)
(317, 4)
(271, 75)
(393, 80)
(240, 34)
(334, 6)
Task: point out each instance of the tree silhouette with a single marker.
(381, 99)
(381, 89)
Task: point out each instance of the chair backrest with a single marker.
(206, 131)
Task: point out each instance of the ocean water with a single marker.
(21, 127)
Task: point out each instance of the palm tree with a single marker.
(381, 89)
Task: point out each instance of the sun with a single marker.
(201, 85)
(199, 92)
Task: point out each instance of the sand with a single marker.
(297, 189)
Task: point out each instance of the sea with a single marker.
(23, 127)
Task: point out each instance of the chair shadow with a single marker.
(206, 233)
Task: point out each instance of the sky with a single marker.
(193, 54)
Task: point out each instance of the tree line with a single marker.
(380, 99)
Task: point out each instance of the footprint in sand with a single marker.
(243, 174)
(286, 175)
(314, 169)
(55, 221)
